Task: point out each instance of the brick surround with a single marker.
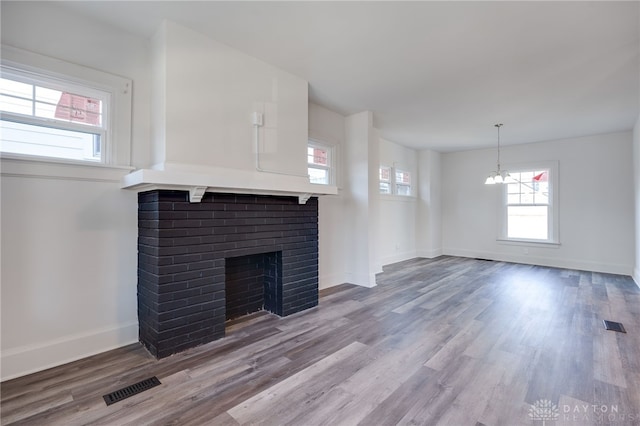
(183, 250)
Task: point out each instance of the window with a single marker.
(385, 180)
(45, 117)
(55, 111)
(403, 182)
(529, 206)
(394, 181)
(320, 162)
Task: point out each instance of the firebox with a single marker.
(200, 264)
(252, 283)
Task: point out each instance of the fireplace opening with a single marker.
(251, 284)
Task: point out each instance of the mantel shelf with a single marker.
(225, 180)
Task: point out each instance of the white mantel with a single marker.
(227, 181)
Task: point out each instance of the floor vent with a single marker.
(614, 326)
(131, 390)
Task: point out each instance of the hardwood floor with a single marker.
(448, 341)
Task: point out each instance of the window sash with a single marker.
(67, 139)
(523, 195)
(327, 167)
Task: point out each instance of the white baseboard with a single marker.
(331, 280)
(29, 359)
(398, 257)
(553, 262)
(429, 254)
(636, 276)
(362, 280)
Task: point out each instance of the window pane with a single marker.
(317, 156)
(48, 95)
(79, 109)
(319, 176)
(45, 110)
(385, 188)
(16, 105)
(385, 174)
(16, 88)
(530, 188)
(513, 198)
(19, 138)
(402, 177)
(529, 222)
(527, 195)
(404, 189)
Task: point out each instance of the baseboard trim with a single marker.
(636, 276)
(398, 258)
(332, 280)
(23, 360)
(429, 254)
(544, 261)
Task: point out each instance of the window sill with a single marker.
(52, 168)
(531, 243)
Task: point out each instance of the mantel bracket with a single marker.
(303, 198)
(196, 193)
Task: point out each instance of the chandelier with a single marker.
(498, 176)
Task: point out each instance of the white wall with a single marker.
(359, 267)
(210, 92)
(636, 187)
(596, 218)
(69, 245)
(328, 126)
(429, 216)
(398, 214)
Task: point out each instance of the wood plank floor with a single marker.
(448, 341)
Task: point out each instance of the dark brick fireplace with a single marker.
(200, 264)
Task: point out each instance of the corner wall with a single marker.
(636, 188)
(429, 216)
(398, 214)
(328, 127)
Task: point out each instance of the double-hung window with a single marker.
(47, 117)
(320, 163)
(55, 111)
(530, 206)
(394, 180)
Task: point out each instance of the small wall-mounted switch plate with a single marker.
(256, 119)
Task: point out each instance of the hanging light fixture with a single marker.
(498, 176)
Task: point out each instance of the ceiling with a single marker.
(435, 75)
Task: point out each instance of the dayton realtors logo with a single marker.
(544, 410)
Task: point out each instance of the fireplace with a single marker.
(200, 264)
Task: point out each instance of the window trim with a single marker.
(552, 217)
(117, 144)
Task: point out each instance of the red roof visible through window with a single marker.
(542, 177)
(78, 109)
